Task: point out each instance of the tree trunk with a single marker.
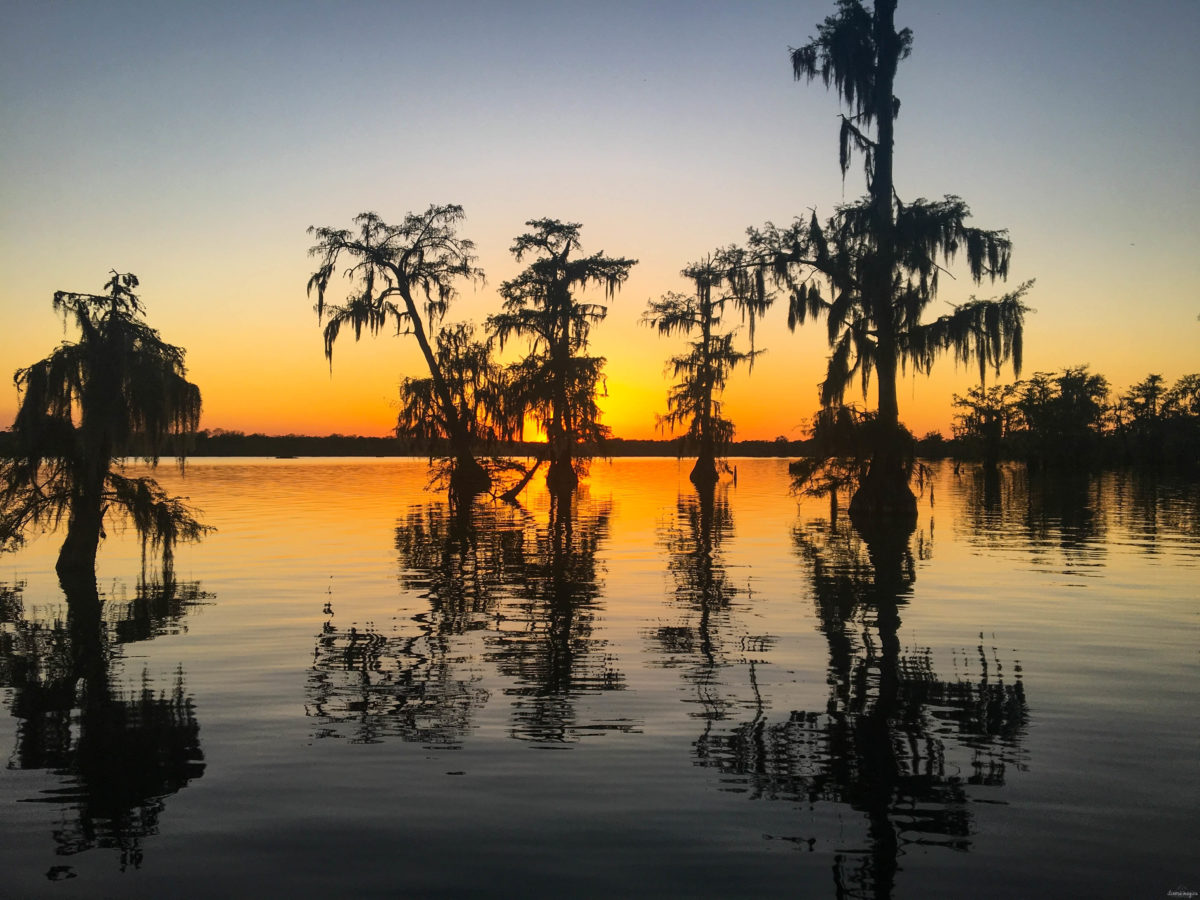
(78, 552)
(884, 492)
(86, 628)
(468, 477)
(515, 491)
(561, 476)
(883, 495)
(705, 473)
(85, 517)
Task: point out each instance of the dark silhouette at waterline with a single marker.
(118, 389)
(119, 752)
(498, 585)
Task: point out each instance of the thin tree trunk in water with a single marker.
(469, 477)
(884, 492)
(515, 491)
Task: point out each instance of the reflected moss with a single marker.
(707, 636)
(120, 751)
(527, 588)
(895, 742)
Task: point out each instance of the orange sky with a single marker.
(199, 162)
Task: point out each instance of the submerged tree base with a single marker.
(705, 473)
(77, 557)
(562, 477)
(883, 504)
(469, 478)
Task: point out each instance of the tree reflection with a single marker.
(492, 573)
(1153, 507)
(895, 742)
(120, 752)
(1076, 515)
(545, 639)
(703, 640)
(418, 683)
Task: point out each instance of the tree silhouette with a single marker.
(880, 257)
(987, 420)
(404, 275)
(479, 390)
(489, 573)
(1181, 414)
(119, 390)
(901, 747)
(121, 752)
(1066, 421)
(557, 383)
(1140, 419)
(694, 400)
(1064, 416)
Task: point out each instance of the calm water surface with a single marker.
(352, 689)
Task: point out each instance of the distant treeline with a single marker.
(219, 442)
(1070, 418)
(1073, 418)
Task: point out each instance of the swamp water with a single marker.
(350, 690)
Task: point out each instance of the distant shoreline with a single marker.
(299, 446)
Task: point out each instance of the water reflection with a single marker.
(1076, 517)
(707, 638)
(120, 752)
(895, 742)
(545, 640)
(418, 682)
(502, 586)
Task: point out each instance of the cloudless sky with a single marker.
(193, 144)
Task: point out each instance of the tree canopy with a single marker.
(119, 390)
(557, 383)
(404, 276)
(872, 268)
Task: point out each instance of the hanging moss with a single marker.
(119, 390)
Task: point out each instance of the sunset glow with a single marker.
(196, 148)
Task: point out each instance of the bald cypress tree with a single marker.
(871, 269)
(117, 391)
(694, 401)
(404, 276)
(557, 382)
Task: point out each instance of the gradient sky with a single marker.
(193, 144)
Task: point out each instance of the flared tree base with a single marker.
(883, 504)
(469, 478)
(705, 473)
(77, 556)
(561, 477)
(74, 563)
